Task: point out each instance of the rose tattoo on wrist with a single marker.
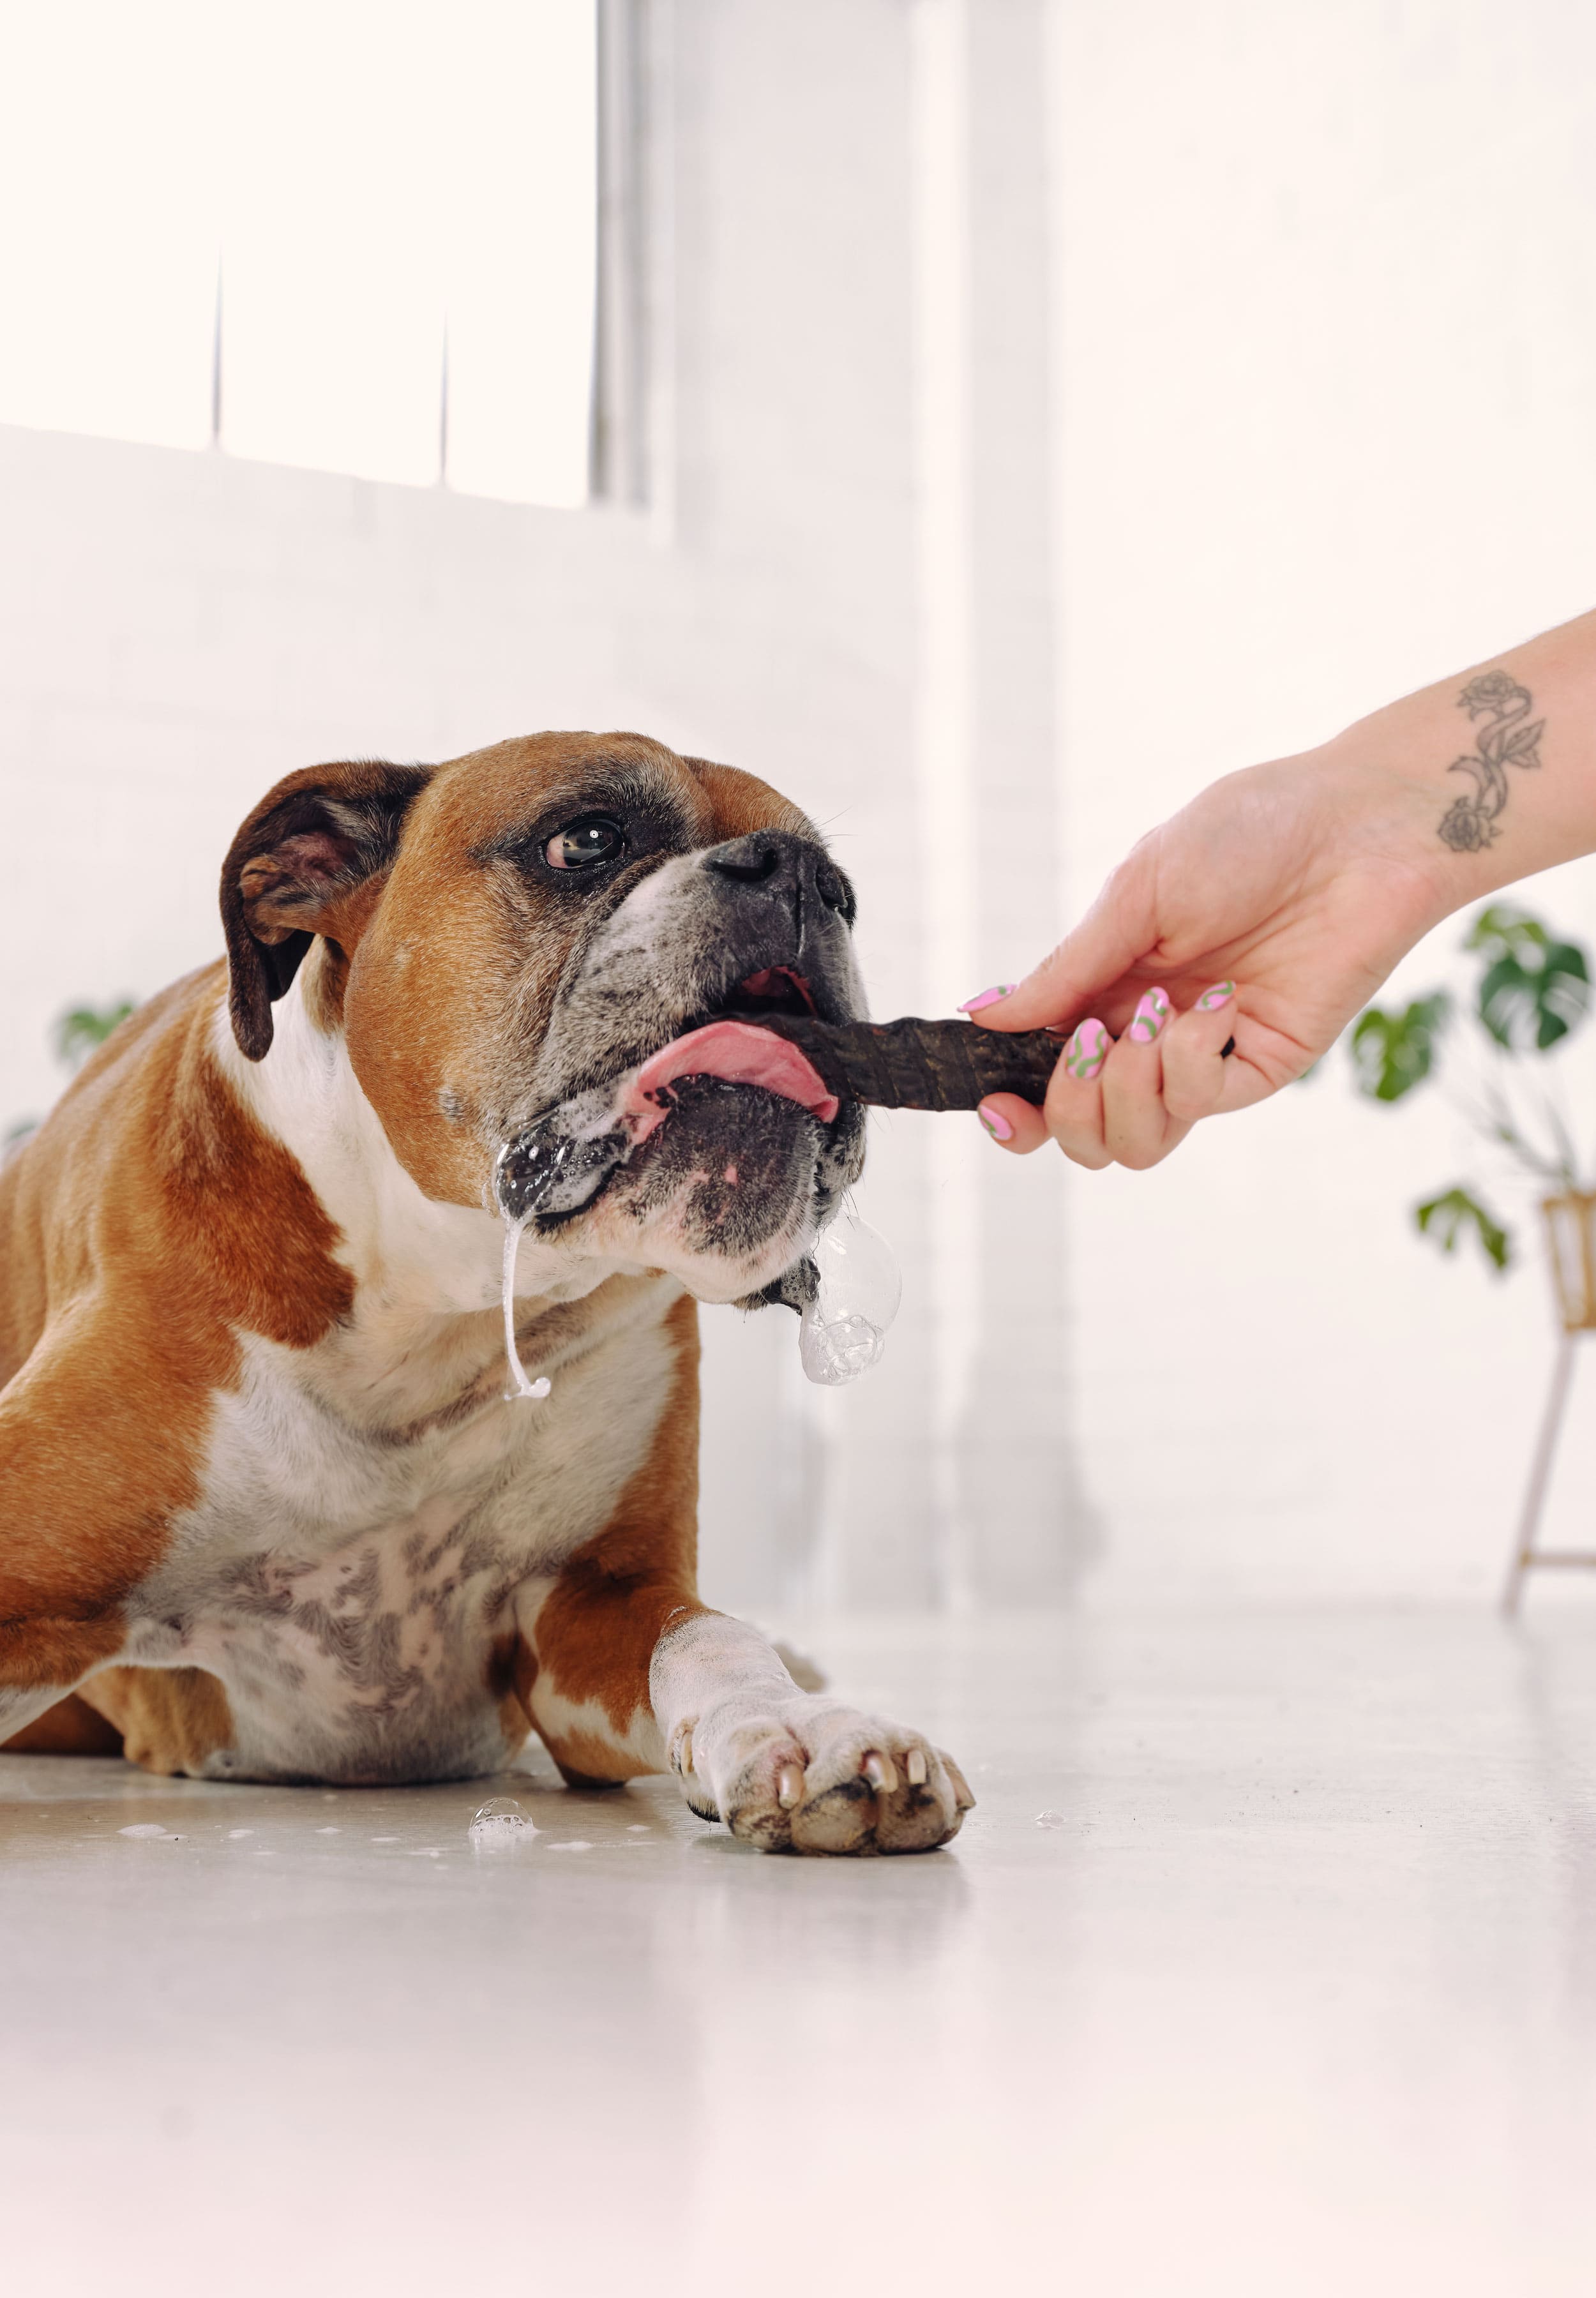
(1470, 823)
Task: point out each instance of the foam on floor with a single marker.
(500, 1825)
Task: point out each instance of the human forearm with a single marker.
(1492, 772)
(1260, 918)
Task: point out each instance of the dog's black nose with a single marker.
(783, 864)
(751, 860)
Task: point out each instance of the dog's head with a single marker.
(549, 961)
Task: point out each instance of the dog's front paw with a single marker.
(809, 1775)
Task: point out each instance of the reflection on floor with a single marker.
(1295, 1993)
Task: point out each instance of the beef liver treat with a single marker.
(916, 1064)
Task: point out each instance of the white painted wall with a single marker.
(183, 628)
(1253, 389)
(1328, 291)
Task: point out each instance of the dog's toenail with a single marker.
(915, 1766)
(790, 1786)
(879, 1771)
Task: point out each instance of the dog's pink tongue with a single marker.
(737, 1050)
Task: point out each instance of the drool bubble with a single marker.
(843, 1330)
(500, 1825)
(838, 1350)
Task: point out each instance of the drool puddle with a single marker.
(500, 1825)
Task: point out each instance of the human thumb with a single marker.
(1119, 929)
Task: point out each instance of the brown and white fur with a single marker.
(265, 1510)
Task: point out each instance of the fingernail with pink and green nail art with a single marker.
(1220, 994)
(988, 997)
(996, 1123)
(1149, 1017)
(1086, 1052)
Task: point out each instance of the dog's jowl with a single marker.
(267, 1511)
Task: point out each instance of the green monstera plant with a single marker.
(73, 1036)
(1534, 990)
(81, 1027)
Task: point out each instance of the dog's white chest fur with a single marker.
(350, 1587)
(375, 1515)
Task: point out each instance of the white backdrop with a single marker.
(1327, 275)
(1061, 403)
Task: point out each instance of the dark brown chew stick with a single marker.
(913, 1065)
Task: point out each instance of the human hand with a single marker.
(1267, 911)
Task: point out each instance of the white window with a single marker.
(398, 198)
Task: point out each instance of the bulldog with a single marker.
(269, 1511)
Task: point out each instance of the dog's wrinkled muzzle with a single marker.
(549, 1171)
(565, 1158)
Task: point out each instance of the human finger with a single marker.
(1193, 1049)
(1013, 1123)
(1074, 1105)
(1138, 1130)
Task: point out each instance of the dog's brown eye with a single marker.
(580, 844)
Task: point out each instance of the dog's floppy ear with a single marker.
(307, 844)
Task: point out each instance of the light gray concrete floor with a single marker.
(1298, 1994)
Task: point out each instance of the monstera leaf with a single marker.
(1452, 1214)
(1391, 1053)
(1534, 990)
(79, 1031)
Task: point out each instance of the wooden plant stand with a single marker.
(1571, 1236)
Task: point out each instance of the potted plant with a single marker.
(1533, 992)
(75, 1036)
